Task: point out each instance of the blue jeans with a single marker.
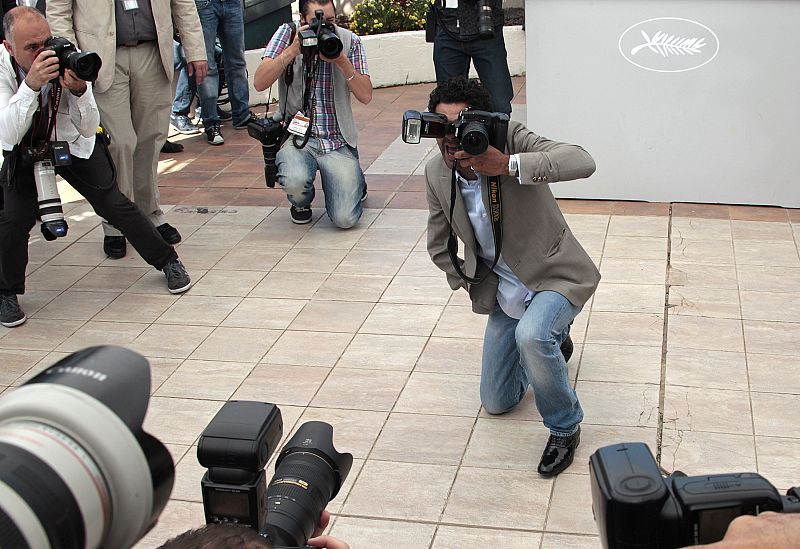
(342, 179)
(451, 58)
(224, 18)
(518, 353)
(186, 87)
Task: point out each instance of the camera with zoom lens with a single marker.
(635, 506)
(474, 130)
(320, 36)
(309, 472)
(85, 65)
(269, 133)
(76, 468)
(44, 160)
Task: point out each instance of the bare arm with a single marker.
(360, 84)
(269, 70)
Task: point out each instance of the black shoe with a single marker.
(178, 280)
(169, 233)
(558, 453)
(114, 246)
(243, 125)
(169, 147)
(10, 313)
(567, 348)
(214, 136)
(224, 115)
(364, 194)
(300, 216)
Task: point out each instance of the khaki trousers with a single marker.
(135, 112)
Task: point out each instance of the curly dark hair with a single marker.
(460, 89)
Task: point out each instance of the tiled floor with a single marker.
(690, 344)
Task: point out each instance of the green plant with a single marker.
(381, 16)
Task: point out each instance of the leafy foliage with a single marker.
(382, 16)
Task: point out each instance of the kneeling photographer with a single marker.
(535, 287)
(49, 125)
(319, 66)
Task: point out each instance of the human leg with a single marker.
(449, 57)
(503, 381)
(343, 185)
(491, 63)
(296, 171)
(231, 37)
(210, 12)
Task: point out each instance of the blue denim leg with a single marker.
(343, 185)
(539, 334)
(210, 12)
(231, 38)
(296, 171)
(491, 63)
(503, 381)
(449, 57)
(184, 89)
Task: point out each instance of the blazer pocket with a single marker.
(556, 243)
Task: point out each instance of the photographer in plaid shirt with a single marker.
(323, 95)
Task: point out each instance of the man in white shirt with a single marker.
(37, 107)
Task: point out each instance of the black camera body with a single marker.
(321, 37)
(85, 65)
(270, 134)
(309, 472)
(474, 130)
(635, 506)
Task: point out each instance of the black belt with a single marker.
(134, 43)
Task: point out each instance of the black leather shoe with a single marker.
(114, 246)
(566, 348)
(170, 148)
(169, 233)
(558, 454)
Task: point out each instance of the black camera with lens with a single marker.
(269, 133)
(474, 130)
(320, 36)
(634, 505)
(309, 472)
(85, 65)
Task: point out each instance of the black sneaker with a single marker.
(243, 125)
(214, 136)
(170, 147)
(114, 246)
(301, 216)
(182, 123)
(224, 115)
(178, 280)
(10, 313)
(169, 233)
(364, 194)
(558, 453)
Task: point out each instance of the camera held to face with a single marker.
(321, 37)
(635, 506)
(85, 65)
(309, 472)
(474, 130)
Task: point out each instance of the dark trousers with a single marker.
(95, 179)
(451, 58)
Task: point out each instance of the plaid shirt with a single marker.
(326, 129)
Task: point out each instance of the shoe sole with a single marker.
(215, 143)
(116, 255)
(301, 221)
(180, 290)
(187, 132)
(15, 323)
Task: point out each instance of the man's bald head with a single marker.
(15, 15)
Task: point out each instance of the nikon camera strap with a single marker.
(497, 227)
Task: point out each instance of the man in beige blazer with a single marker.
(133, 90)
(542, 278)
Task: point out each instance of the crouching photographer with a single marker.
(78, 471)
(49, 125)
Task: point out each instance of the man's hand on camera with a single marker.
(74, 84)
(198, 69)
(43, 70)
(325, 542)
(491, 162)
(765, 530)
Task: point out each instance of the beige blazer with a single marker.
(92, 26)
(537, 243)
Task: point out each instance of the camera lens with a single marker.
(85, 65)
(329, 44)
(474, 138)
(309, 473)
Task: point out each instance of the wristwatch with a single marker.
(513, 165)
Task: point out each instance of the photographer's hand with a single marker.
(765, 530)
(325, 542)
(74, 84)
(43, 70)
(491, 162)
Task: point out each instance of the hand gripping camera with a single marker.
(269, 133)
(635, 506)
(309, 472)
(320, 37)
(85, 65)
(474, 130)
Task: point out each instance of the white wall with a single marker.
(726, 132)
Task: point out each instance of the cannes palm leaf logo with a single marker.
(669, 44)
